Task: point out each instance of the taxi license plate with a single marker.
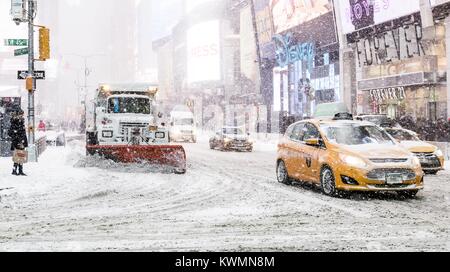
(394, 179)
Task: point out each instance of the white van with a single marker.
(182, 127)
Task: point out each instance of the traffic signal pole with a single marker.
(31, 114)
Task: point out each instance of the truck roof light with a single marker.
(105, 88)
(153, 91)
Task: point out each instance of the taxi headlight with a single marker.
(439, 153)
(353, 161)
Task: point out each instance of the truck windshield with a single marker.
(184, 122)
(232, 131)
(129, 105)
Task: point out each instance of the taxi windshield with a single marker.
(356, 134)
(403, 135)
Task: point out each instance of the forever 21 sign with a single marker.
(401, 43)
(380, 95)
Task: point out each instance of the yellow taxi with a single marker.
(341, 154)
(430, 156)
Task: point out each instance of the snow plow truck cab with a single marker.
(126, 128)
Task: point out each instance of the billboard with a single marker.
(203, 52)
(264, 26)
(359, 14)
(290, 13)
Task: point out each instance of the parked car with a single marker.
(347, 155)
(55, 138)
(431, 158)
(231, 138)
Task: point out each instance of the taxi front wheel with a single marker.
(408, 194)
(328, 182)
(282, 174)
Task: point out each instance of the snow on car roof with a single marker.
(346, 122)
(135, 87)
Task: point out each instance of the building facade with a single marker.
(214, 66)
(395, 57)
(299, 57)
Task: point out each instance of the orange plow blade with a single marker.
(167, 156)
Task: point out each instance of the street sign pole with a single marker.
(33, 156)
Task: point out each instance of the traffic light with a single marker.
(44, 43)
(29, 83)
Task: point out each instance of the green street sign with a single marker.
(21, 51)
(16, 42)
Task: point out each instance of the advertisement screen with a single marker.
(359, 14)
(290, 13)
(203, 45)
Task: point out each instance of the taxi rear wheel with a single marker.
(328, 182)
(282, 174)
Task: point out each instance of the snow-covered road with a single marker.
(226, 202)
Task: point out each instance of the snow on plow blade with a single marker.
(167, 156)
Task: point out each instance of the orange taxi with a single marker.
(430, 156)
(347, 155)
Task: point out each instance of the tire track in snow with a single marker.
(272, 185)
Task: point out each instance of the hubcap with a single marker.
(328, 181)
(282, 173)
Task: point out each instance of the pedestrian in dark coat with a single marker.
(18, 136)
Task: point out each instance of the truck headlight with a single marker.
(439, 153)
(353, 161)
(227, 140)
(107, 134)
(160, 135)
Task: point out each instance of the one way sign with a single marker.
(37, 74)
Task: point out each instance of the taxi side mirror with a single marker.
(313, 142)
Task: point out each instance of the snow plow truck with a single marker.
(126, 128)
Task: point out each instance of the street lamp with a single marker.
(87, 73)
